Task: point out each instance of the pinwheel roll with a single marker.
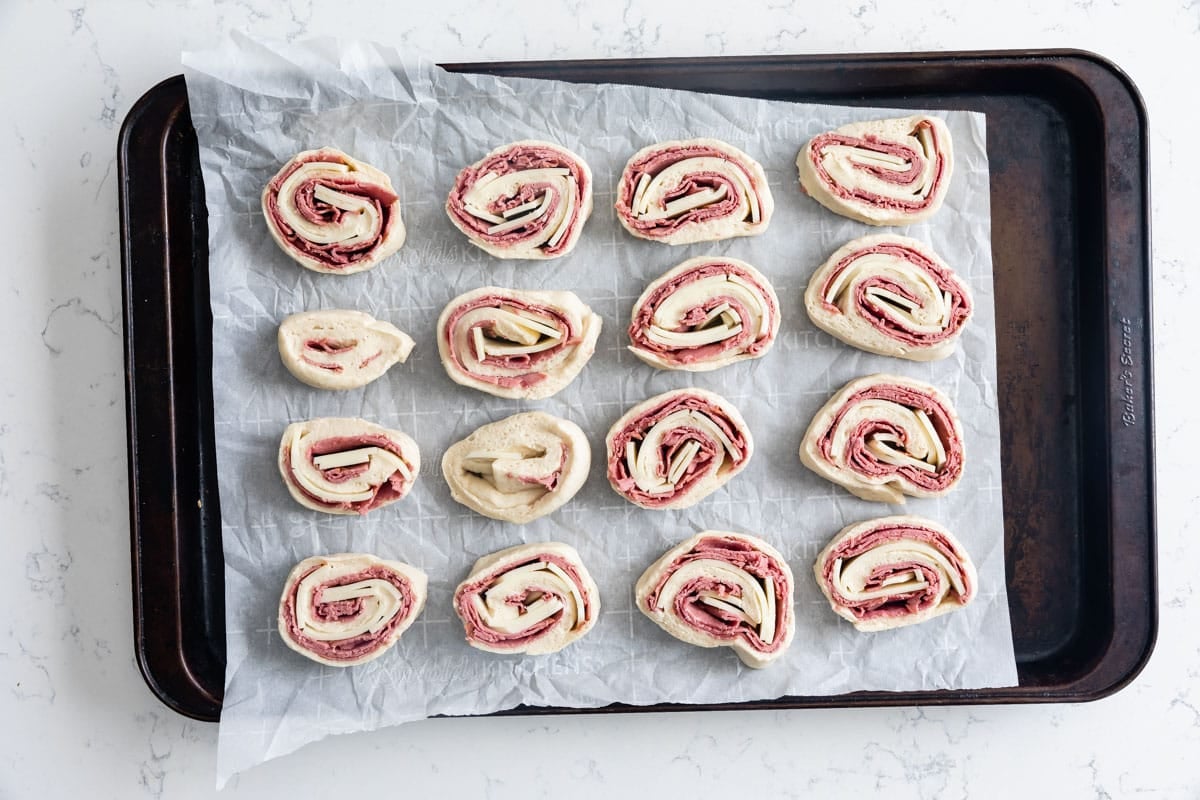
(516, 344)
(704, 314)
(527, 199)
(677, 448)
(533, 599)
(890, 295)
(883, 437)
(349, 608)
(894, 571)
(340, 349)
(720, 589)
(332, 213)
(520, 468)
(696, 190)
(884, 172)
(343, 465)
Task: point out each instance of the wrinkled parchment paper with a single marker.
(256, 104)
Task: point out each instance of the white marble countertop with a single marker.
(79, 720)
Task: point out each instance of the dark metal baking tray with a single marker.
(1067, 143)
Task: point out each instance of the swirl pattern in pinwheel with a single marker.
(694, 190)
(532, 599)
(883, 172)
(344, 465)
(527, 199)
(516, 344)
(349, 608)
(704, 314)
(720, 589)
(883, 437)
(332, 213)
(675, 449)
(894, 571)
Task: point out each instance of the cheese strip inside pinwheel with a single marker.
(720, 589)
(527, 199)
(332, 213)
(349, 608)
(883, 437)
(884, 172)
(675, 449)
(894, 571)
(343, 465)
(520, 468)
(704, 314)
(532, 599)
(516, 344)
(340, 349)
(697, 190)
(890, 295)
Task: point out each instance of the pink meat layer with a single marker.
(862, 461)
(690, 608)
(358, 646)
(746, 342)
(392, 489)
(333, 255)
(478, 631)
(331, 347)
(549, 481)
(902, 179)
(960, 304)
(654, 163)
(701, 464)
(904, 603)
(522, 366)
(519, 159)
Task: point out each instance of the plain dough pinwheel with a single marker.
(694, 190)
(345, 465)
(704, 314)
(340, 349)
(883, 172)
(528, 199)
(883, 437)
(676, 448)
(519, 468)
(516, 344)
(332, 213)
(532, 599)
(347, 609)
(894, 571)
(890, 295)
(720, 589)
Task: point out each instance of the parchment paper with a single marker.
(256, 104)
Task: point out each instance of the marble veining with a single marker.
(77, 707)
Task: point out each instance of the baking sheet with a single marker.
(256, 104)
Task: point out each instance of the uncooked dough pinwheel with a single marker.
(343, 465)
(533, 599)
(333, 213)
(704, 314)
(340, 349)
(675, 449)
(890, 295)
(527, 199)
(349, 608)
(883, 437)
(720, 589)
(695, 190)
(883, 172)
(516, 344)
(894, 571)
(520, 468)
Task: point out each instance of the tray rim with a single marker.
(1124, 673)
